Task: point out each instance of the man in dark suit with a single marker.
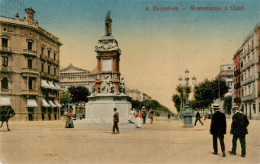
(116, 121)
(218, 129)
(198, 118)
(239, 131)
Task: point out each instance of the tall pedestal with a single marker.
(187, 117)
(100, 108)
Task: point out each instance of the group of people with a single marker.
(238, 130)
(139, 117)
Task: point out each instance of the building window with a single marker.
(5, 61)
(54, 71)
(29, 45)
(30, 83)
(49, 69)
(4, 83)
(4, 42)
(30, 63)
(42, 50)
(42, 67)
(54, 56)
(49, 53)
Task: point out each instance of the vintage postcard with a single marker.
(129, 81)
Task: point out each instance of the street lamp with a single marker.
(194, 80)
(187, 113)
(180, 80)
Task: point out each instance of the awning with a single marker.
(57, 86)
(31, 103)
(5, 101)
(51, 103)
(57, 104)
(52, 85)
(44, 84)
(45, 104)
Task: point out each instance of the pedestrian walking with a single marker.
(169, 116)
(116, 121)
(239, 130)
(144, 116)
(69, 122)
(138, 119)
(151, 116)
(198, 118)
(218, 129)
(131, 118)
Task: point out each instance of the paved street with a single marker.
(161, 142)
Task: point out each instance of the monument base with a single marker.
(187, 117)
(100, 109)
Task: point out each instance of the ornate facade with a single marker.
(74, 76)
(29, 69)
(250, 73)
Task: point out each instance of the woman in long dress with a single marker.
(138, 119)
(131, 118)
(69, 122)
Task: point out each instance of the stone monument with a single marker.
(109, 90)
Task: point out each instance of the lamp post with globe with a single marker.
(185, 109)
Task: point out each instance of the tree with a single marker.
(136, 104)
(227, 104)
(65, 97)
(220, 88)
(151, 104)
(183, 94)
(79, 94)
(208, 91)
(194, 104)
(177, 102)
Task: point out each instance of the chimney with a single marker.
(29, 14)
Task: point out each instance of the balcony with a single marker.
(248, 97)
(29, 52)
(5, 91)
(30, 71)
(5, 49)
(29, 92)
(248, 64)
(49, 76)
(252, 47)
(56, 62)
(43, 57)
(52, 95)
(248, 80)
(6, 69)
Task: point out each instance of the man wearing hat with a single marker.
(239, 130)
(218, 129)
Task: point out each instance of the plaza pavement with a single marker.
(161, 142)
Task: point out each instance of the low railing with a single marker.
(248, 97)
(6, 69)
(5, 49)
(248, 80)
(5, 90)
(30, 52)
(29, 91)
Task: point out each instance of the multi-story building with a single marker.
(226, 73)
(237, 83)
(250, 71)
(74, 76)
(135, 94)
(29, 68)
